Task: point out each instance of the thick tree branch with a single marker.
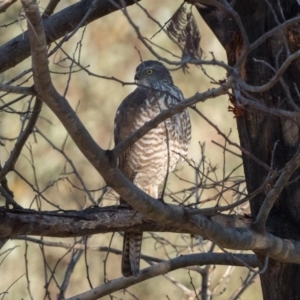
(90, 221)
(165, 267)
(56, 26)
(219, 228)
(5, 4)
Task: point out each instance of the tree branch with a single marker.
(274, 193)
(220, 228)
(49, 10)
(56, 26)
(262, 88)
(10, 163)
(165, 267)
(5, 4)
(16, 89)
(93, 220)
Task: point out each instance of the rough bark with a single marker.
(93, 220)
(258, 131)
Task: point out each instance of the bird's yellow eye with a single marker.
(149, 71)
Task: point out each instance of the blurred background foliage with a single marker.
(44, 180)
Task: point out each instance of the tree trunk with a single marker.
(267, 135)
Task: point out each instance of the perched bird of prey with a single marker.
(156, 154)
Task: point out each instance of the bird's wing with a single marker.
(125, 124)
(127, 114)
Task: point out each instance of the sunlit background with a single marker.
(107, 47)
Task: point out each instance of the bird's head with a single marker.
(152, 73)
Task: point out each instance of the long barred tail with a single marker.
(132, 245)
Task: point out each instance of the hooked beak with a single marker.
(137, 76)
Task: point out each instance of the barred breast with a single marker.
(156, 154)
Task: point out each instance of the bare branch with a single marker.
(5, 4)
(90, 221)
(163, 268)
(16, 89)
(9, 199)
(245, 151)
(10, 163)
(274, 193)
(49, 10)
(56, 26)
(260, 89)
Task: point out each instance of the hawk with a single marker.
(148, 162)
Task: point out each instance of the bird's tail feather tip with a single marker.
(131, 254)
